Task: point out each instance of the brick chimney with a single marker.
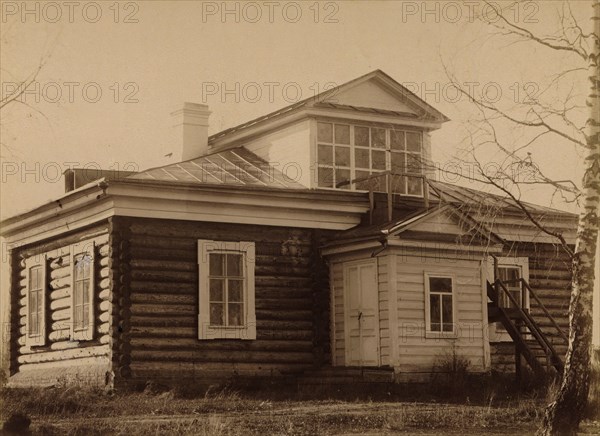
(191, 131)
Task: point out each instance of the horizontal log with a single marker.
(162, 254)
(60, 293)
(145, 370)
(104, 306)
(156, 298)
(555, 284)
(61, 315)
(104, 261)
(60, 283)
(104, 284)
(284, 315)
(287, 335)
(191, 344)
(220, 356)
(187, 320)
(64, 354)
(163, 242)
(283, 324)
(104, 250)
(104, 316)
(164, 331)
(282, 293)
(61, 325)
(104, 294)
(163, 287)
(283, 304)
(59, 335)
(164, 265)
(59, 272)
(62, 303)
(103, 328)
(164, 276)
(166, 310)
(104, 272)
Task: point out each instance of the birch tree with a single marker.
(549, 122)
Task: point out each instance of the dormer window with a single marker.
(348, 152)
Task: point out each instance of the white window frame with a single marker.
(87, 333)
(434, 333)
(205, 330)
(352, 146)
(32, 262)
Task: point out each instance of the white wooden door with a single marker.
(361, 313)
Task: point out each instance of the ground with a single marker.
(228, 412)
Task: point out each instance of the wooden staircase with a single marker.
(530, 341)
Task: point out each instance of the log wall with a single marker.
(549, 277)
(61, 359)
(156, 328)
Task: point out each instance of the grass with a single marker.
(454, 403)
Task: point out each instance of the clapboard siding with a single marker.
(418, 352)
(292, 299)
(549, 277)
(91, 356)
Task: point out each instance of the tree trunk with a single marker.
(563, 415)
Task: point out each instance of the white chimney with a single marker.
(191, 131)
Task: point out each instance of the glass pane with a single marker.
(235, 290)
(87, 263)
(234, 265)
(440, 284)
(413, 141)
(361, 136)
(86, 315)
(85, 286)
(413, 163)
(216, 289)
(324, 132)
(399, 184)
(397, 139)
(378, 160)
(235, 314)
(447, 309)
(361, 158)
(415, 186)
(342, 176)
(342, 134)
(378, 136)
(325, 154)
(359, 175)
(216, 314)
(342, 156)
(216, 264)
(434, 312)
(398, 163)
(77, 318)
(326, 177)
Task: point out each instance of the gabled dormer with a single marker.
(346, 137)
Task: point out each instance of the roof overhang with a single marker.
(316, 209)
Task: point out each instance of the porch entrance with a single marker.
(361, 303)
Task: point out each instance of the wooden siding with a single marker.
(419, 353)
(89, 359)
(160, 339)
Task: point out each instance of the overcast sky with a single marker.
(146, 58)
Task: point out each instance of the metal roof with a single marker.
(236, 166)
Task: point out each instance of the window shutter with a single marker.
(250, 311)
(88, 333)
(37, 340)
(203, 306)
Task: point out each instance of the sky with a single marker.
(113, 72)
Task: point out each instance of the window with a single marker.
(510, 276)
(36, 300)
(348, 152)
(226, 290)
(82, 293)
(440, 310)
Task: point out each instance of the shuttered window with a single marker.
(36, 300)
(226, 290)
(82, 290)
